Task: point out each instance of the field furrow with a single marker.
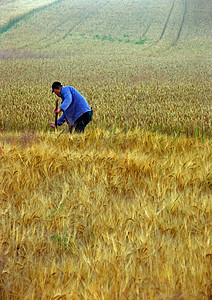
(182, 22)
(167, 20)
(13, 22)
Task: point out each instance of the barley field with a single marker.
(123, 211)
(105, 216)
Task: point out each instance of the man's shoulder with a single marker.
(66, 89)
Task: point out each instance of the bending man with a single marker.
(76, 110)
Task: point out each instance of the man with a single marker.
(76, 110)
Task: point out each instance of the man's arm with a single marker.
(61, 120)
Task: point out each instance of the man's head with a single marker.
(56, 88)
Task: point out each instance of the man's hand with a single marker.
(52, 124)
(57, 111)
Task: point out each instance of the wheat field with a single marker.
(101, 216)
(123, 211)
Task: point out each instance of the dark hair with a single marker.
(56, 85)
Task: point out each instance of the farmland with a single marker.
(123, 211)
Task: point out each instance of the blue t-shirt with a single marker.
(73, 105)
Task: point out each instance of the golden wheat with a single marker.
(104, 216)
(123, 211)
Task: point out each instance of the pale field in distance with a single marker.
(123, 211)
(15, 8)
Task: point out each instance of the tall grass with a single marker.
(104, 216)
